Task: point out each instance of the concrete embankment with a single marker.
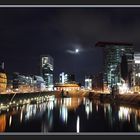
(131, 99)
(5, 98)
(125, 98)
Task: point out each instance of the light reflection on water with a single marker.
(78, 124)
(88, 107)
(71, 115)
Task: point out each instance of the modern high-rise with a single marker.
(113, 53)
(47, 67)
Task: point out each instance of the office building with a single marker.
(66, 78)
(88, 82)
(26, 83)
(47, 67)
(114, 54)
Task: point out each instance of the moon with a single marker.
(76, 50)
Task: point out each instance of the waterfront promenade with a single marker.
(17, 98)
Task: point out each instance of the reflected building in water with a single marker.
(72, 115)
(67, 104)
(88, 107)
(2, 123)
(47, 118)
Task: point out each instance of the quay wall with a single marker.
(5, 98)
(119, 98)
(132, 99)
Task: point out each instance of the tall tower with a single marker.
(47, 70)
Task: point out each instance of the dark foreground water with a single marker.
(71, 115)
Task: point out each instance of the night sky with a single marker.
(27, 33)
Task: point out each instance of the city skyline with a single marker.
(28, 33)
(71, 70)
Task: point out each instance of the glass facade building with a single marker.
(113, 53)
(47, 67)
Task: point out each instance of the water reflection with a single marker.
(10, 120)
(47, 118)
(69, 103)
(64, 113)
(21, 115)
(71, 115)
(88, 107)
(30, 111)
(78, 124)
(124, 113)
(122, 118)
(2, 123)
(66, 104)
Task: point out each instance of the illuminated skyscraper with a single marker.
(47, 70)
(113, 53)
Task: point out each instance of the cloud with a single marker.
(81, 50)
(70, 51)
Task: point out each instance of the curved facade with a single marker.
(67, 87)
(3, 82)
